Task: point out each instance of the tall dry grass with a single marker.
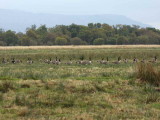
(148, 74)
(79, 47)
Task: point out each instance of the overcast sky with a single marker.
(145, 11)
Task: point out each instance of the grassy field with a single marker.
(41, 91)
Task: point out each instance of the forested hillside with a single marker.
(93, 34)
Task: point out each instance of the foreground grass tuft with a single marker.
(148, 74)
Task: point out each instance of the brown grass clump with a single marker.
(148, 74)
(6, 86)
(22, 112)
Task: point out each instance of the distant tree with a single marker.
(10, 38)
(42, 30)
(87, 36)
(77, 41)
(91, 25)
(108, 30)
(94, 33)
(122, 40)
(112, 41)
(98, 25)
(2, 43)
(25, 41)
(49, 39)
(99, 41)
(31, 34)
(60, 41)
(144, 39)
(74, 29)
(33, 27)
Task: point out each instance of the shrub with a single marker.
(146, 73)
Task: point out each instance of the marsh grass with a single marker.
(77, 92)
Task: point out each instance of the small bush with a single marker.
(146, 73)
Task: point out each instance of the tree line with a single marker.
(93, 34)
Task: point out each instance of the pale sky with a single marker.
(145, 11)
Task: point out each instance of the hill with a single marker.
(20, 20)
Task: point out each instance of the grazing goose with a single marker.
(18, 61)
(13, 61)
(90, 61)
(29, 61)
(69, 62)
(125, 60)
(143, 60)
(58, 62)
(117, 62)
(135, 60)
(80, 61)
(103, 61)
(48, 61)
(54, 61)
(86, 62)
(154, 60)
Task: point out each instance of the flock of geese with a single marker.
(57, 61)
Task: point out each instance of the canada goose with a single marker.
(125, 60)
(54, 61)
(48, 61)
(59, 62)
(29, 61)
(69, 62)
(103, 61)
(143, 60)
(154, 60)
(86, 62)
(117, 62)
(135, 60)
(80, 61)
(18, 61)
(90, 61)
(13, 61)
